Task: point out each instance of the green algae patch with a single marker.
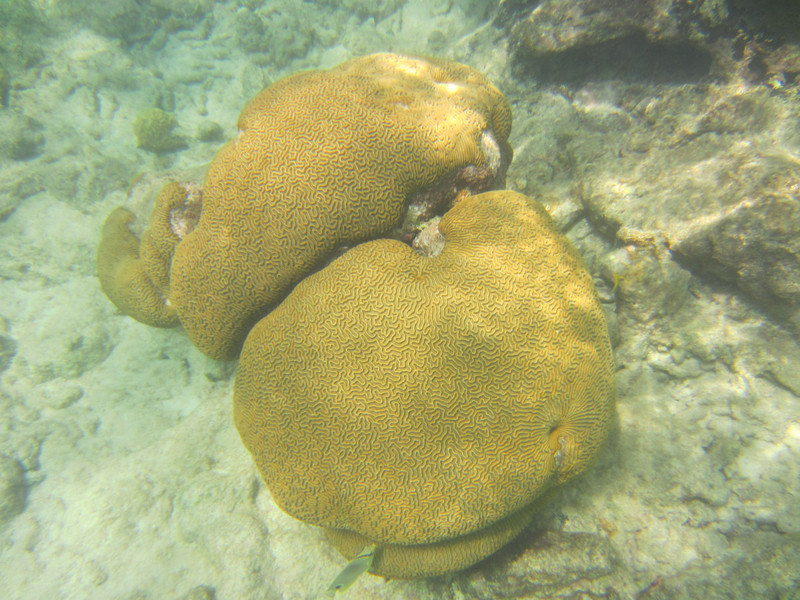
(154, 132)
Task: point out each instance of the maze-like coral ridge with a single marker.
(324, 159)
(416, 400)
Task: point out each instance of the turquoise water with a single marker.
(664, 142)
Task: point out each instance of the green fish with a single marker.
(353, 570)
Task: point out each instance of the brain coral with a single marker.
(153, 130)
(123, 277)
(134, 274)
(425, 403)
(324, 159)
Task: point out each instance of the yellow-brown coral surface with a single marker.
(323, 159)
(134, 273)
(418, 402)
(123, 276)
(175, 214)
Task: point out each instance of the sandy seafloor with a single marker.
(122, 474)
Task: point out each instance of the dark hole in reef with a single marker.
(510, 11)
(758, 68)
(632, 58)
(775, 20)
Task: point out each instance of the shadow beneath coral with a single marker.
(632, 59)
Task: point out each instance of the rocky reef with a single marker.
(665, 148)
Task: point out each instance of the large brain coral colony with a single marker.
(424, 404)
(418, 401)
(322, 159)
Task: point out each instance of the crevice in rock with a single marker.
(424, 208)
(776, 21)
(632, 58)
(184, 217)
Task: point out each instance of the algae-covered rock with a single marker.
(282, 35)
(8, 345)
(22, 31)
(210, 131)
(12, 488)
(154, 132)
(5, 87)
(136, 21)
(22, 137)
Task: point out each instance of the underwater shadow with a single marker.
(632, 59)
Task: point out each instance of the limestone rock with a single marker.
(755, 245)
(550, 566)
(769, 571)
(602, 38)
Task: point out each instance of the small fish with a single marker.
(353, 570)
(617, 278)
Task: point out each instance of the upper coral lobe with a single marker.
(324, 159)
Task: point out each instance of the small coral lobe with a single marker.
(123, 277)
(135, 274)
